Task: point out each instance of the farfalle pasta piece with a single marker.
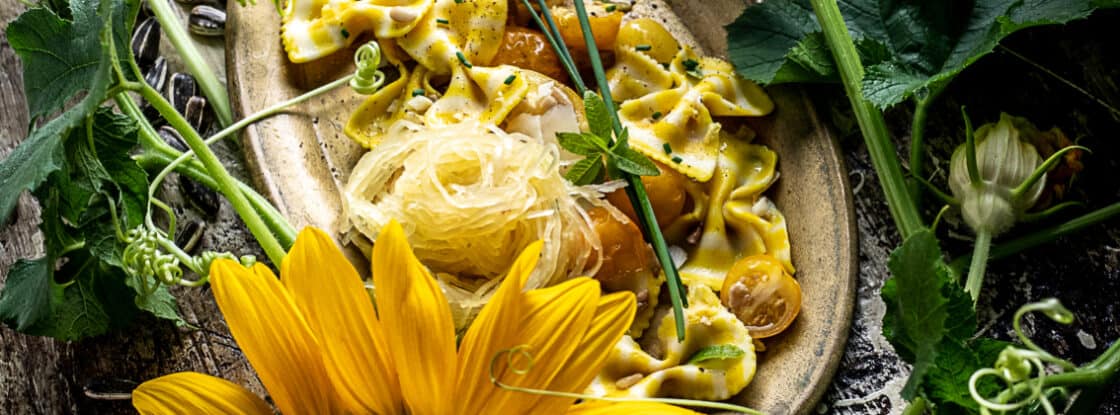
(457, 32)
(722, 91)
(745, 171)
(674, 127)
(406, 98)
(643, 51)
(670, 95)
(479, 93)
(482, 94)
(315, 28)
(763, 218)
(632, 372)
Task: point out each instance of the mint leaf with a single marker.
(598, 118)
(629, 160)
(906, 47)
(584, 144)
(917, 305)
(717, 352)
(56, 68)
(586, 171)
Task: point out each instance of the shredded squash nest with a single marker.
(470, 198)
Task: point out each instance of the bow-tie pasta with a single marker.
(316, 28)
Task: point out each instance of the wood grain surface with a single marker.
(43, 376)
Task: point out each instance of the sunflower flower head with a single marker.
(320, 347)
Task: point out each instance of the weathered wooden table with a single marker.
(43, 376)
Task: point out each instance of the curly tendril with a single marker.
(522, 352)
(143, 257)
(368, 78)
(1015, 366)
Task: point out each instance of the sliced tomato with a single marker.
(762, 295)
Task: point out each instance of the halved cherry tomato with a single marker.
(762, 295)
(625, 253)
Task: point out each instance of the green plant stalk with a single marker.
(917, 144)
(227, 185)
(1095, 375)
(875, 134)
(979, 264)
(272, 217)
(1025, 242)
(211, 87)
(158, 154)
(635, 189)
(916, 407)
(228, 131)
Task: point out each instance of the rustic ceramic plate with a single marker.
(300, 160)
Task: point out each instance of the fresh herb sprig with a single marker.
(598, 151)
(608, 143)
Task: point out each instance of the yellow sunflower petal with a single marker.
(190, 393)
(274, 337)
(611, 408)
(330, 294)
(553, 322)
(415, 312)
(491, 332)
(612, 319)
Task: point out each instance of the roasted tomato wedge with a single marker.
(762, 294)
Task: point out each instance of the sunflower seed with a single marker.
(180, 90)
(156, 76)
(207, 21)
(145, 42)
(109, 389)
(198, 114)
(201, 197)
(189, 235)
(172, 138)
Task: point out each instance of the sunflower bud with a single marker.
(1006, 183)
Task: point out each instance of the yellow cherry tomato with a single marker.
(625, 253)
(762, 295)
(666, 193)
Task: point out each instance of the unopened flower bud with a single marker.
(1005, 159)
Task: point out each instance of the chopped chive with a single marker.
(459, 1)
(442, 21)
(657, 116)
(668, 148)
(612, 8)
(345, 33)
(643, 48)
(463, 59)
(677, 159)
(509, 79)
(690, 64)
(417, 92)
